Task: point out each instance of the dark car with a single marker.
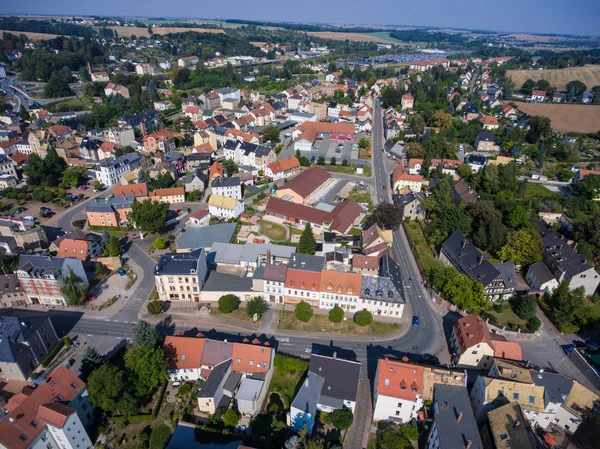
(415, 321)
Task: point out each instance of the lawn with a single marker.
(537, 191)
(425, 253)
(321, 323)
(363, 153)
(361, 196)
(506, 316)
(238, 314)
(286, 383)
(355, 231)
(272, 230)
(348, 169)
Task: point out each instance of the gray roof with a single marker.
(179, 263)
(250, 252)
(16, 326)
(232, 381)
(565, 258)
(37, 265)
(507, 270)
(306, 262)
(556, 386)
(308, 396)
(205, 236)
(212, 384)
(274, 272)
(216, 351)
(541, 272)
(406, 199)
(249, 389)
(468, 259)
(379, 288)
(9, 284)
(117, 161)
(343, 387)
(108, 204)
(219, 282)
(226, 182)
(388, 268)
(450, 401)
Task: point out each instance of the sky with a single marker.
(536, 16)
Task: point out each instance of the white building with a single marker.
(229, 93)
(539, 277)
(120, 137)
(333, 110)
(230, 187)
(109, 171)
(225, 207)
(7, 167)
(294, 102)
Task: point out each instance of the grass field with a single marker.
(139, 31)
(321, 323)
(385, 35)
(426, 255)
(356, 37)
(579, 118)
(589, 75)
(238, 314)
(272, 230)
(31, 35)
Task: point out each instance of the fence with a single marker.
(256, 191)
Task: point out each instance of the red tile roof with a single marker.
(346, 213)
(19, 157)
(298, 211)
(360, 261)
(399, 379)
(73, 248)
(138, 190)
(167, 192)
(401, 174)
(184, 352)
(55, 414)
(284, 164)
(249, 358)
(303, 280)
(470, 331)
(308, 181)
(341, 282)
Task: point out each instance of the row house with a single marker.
(120, 137)
(225, 207)
(162, 140)
(253, 155)
(109, 171)
(181, 276)
(229, 187)
(172, 195)
(111, 212)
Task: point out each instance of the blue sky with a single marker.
(537, 16)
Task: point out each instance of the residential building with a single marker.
(509, 428)
(26, 233)
(538, 95)
(497, 280)
(181, 276)
(120, 137)
(94, 241)
(485, 142)
(365, 264)
(454, 425)
(216, 170)
(116, 89)
(245, 153)
(171, 195)
(283, 168)
(340, 289)
(161, 140)
(302, 285)
(539, 277)
(463, 193)
(196, 235)
(273, 282)
(407, 101)
(147, 69)
(7, 181)
(187, 61)
(109, 171)
(26, 338)
(145, 119)
(383, 295)
(490, 122)
(404, 182)
(410, 203)
(139, 190)
(225, 207)
(41, 277)
(376, 241)
(229, 187)
(111, 212)
(79, 249)
(229, 93)
(304, 185)
(335, 392)
(54, 414)
(197, 181)
(7, 167)
(11, 292)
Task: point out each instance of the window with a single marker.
(504, 436)
(251, 362)
(397, 412)
(399, 404)
(33, 424)
(532, 399)
(516, 396)
(474, 352)
(239, 361)
(386, 382)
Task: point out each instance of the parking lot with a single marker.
(325, 147)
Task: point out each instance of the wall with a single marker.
(386, 407)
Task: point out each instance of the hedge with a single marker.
(134, 419)
(111, 228)
(52, 354)
(290, 364)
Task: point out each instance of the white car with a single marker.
(288, 134)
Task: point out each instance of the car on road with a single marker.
(415, 321)
(338, 150)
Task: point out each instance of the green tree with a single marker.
(144, 334)
(465, 171)
(321, 160)
(307, 243)
(96, 185)
(270, 134)
(113, 247)
(159, 243)
(539, 128)
(73, 288)
(363, 318)
(516, 217)
(386, 216)
(149, 366)
(341, 418)
(34, 170)
(58, 84)
(155, 307)
(528, 86)
(73, 176)
(257, 305)
(576, 87)
(332, 161)
(336, 315)
(525, 307)
(587, 188)
(523, 247)
(90, 361)
(162, 181)
(390, 437)
(68, 342)
(364, 143)
(149, 216)
(414, 150)
(534, 324)
(303, 312)
(228, 303)
(565, 304)
(409, 431)
(231, 418)
(105, 386)
(345, 162)
(489, 231)
(143, 177)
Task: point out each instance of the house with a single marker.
(199, 218)
(139, 190)
(181, 276)
(109, 171)
(95, 242)
(226, 93)
(340, 289)
(161, 140)
(376, 241)
(454, 425)
(476, 161)
(7, 167)
(145, 119)
(171, 195)
(26, 338)
(270, 279)
(559, 97)
(11, 292)
(194, 236)
(216, 171)
(365, 264)
(197, 181)
(410, 203)
(250, 256)
(402, 180)
(394, 149)
(490, 122)
(402, 387)
(7, 181)
(463, 194)
(41, 277)
(283, 168)
(225, 207)
(187, 61)
(459, 252)
(25, 232)
(508, 112)
(229, 187)
(324, 390)
(304, 185)
(587, 97)
(116, 89)
(474, 347)
(538, 95)
(407, 101)
(99, 77)
(79, 249)
(245, 153)
(567, 265)
(109, 211)
(54, 414)
(485, 142)
(120, 137)
(539, 277)
(507, 426)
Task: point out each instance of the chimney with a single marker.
(334, 355)
(480, 260)
(464, 243)
(468, 445)
(517, 423)
(459, 416)
(306, 383)
(405, 359)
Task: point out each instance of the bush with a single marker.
(534, 324)
(525, 307)
(160, 243)
(258, 306)
(34, 376)
(363, 318)
(48, 360)
(290, 364)
(68, 342)
(155, 307)
(160, 436)
(231, 418)
(184, 389)
(410, 432)
(304, 312)
(336, 315)
(341, 419)
(228, 303)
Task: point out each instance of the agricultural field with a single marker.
(579, 118)
(589, 75)
(139, 31)
(30, 35)
(356, 37)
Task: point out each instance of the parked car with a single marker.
(85, 187)
(18, 210)
(415, 321)
(45, 209)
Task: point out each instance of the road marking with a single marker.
(115, 321)
(106, 319)
(287, 344)
(89, 335)
(126, 322)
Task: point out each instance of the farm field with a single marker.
(579, 118)
(31, 35)
(589, 75)
(139, 31)
(357, 37)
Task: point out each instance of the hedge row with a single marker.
(52, 354)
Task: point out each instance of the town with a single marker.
(262, 235)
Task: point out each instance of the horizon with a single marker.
(548, 15)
